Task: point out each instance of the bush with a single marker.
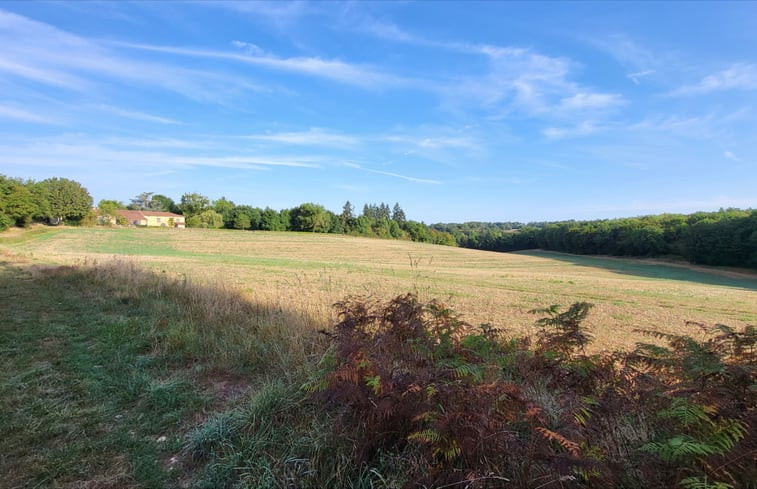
(464, 405)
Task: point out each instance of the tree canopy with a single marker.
(66, 200)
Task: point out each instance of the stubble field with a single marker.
(307, 273)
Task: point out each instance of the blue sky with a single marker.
(490, 111)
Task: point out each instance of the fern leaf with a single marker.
(428, 436)
(572, 447)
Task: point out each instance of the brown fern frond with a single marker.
(570, 446)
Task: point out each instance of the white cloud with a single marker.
(131, 114)
(248, 47)
(704, 127)
(635, 77)
(394, 175)
(332, 69)
(589, 101)
(383, 30)
(632, 55)
(729, 155)
(514, 78)
(25, 115)
(437, 142)
(311, 137)
(89, 153)
(583, 129)
(739, 76)
(34, 51)
(280, 14)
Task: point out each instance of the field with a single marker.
(141, 358)
(306, 273)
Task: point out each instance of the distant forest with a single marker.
(727, 237)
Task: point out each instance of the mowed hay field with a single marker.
(307, 273)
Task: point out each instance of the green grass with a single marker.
(105, 369)
(205, 337)
(85, 401)
(306, 273)
(652, 270)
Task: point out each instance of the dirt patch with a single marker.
(226, 388)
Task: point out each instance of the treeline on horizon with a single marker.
(727, 237)
(60, 200)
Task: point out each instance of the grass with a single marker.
(106, 367)
(306, 273)
(174, 358)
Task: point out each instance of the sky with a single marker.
(459, 111)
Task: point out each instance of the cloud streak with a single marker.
(311, 137)
(393, 174)
(739, 76)
(25, 116)
(132, 114)
(330, 69)
(37, 52)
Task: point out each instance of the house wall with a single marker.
(163, 221)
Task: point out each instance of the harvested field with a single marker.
(307, 273)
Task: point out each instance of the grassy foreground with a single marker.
(119, 377)
(105, 369)
(183, 366)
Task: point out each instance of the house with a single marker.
(152, 218)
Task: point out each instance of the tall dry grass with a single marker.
(206, 321)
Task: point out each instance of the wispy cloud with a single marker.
(632, 55)
(90, 153)
(729, 155)
(311, 137)
(132, 114)
(437, 142)
(583, 129)
(32, 52)
(23, 115)
(706, 126)
(394, 175)
(637, 76)
(279, 14)
(332, 69)
(590, 101)
(514, 78)
(739, 76)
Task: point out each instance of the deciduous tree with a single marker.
(66, 199)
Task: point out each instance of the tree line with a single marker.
(379, 221)
(54, 200)
(727, 237)
(59, 200)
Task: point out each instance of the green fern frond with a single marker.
(728, 433)
(374, 383)
(469, 370)
(679, 448)
(688, 414)
(703, 483)
(428, 436)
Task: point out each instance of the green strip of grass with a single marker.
(649, 270)
(86, 401)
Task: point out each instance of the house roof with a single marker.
(142, 215)
(131, 215)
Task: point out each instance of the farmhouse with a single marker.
(152, 218)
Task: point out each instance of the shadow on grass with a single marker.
(650, 270)
(106, 367)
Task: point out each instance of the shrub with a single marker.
(464, 405)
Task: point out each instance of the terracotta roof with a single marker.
(160, 214)
(131, 215)
(140, 215)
